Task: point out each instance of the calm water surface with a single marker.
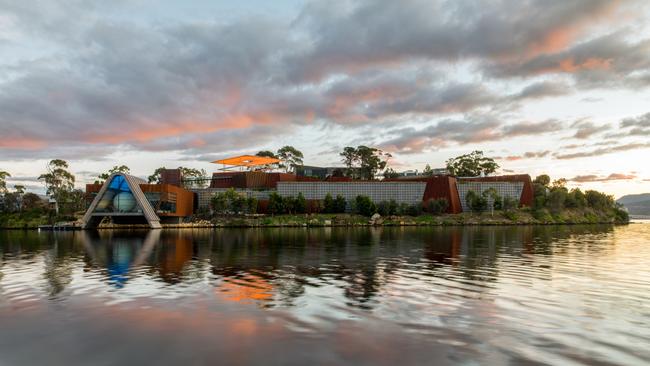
(491, 295)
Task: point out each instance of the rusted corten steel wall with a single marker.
(527, 192)
(222, 180)
(184, 198)
(253, 179)
(171, 176)
(439, 186)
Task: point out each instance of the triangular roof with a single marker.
(141, 200)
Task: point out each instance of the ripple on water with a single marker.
(569, 295)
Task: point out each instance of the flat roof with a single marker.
(247, 161)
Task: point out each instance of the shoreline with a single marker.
(520, 217)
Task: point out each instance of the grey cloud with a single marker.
(603, 151)
(586, 129)
(471, 130)
(543, 89)
(165, 87)
(609, 60)
(384, 32)
(598, 178)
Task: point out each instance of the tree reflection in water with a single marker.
(273, 267)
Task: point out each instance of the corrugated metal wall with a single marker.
(401, 192)
(512, 190)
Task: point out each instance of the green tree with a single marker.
(276, 204)
(20, 189)
(363, 205)
(59, 182)
(543, 180)
(427, 172)
(390, 174)
(340, 204)
(370, 160)
(155, 177)
(328, 204)
(115, 169)
(290, 157)
(3, 181)
(476, 202)
(230, 202)
(576, 199)
(471, 165)
(32, 201)
(349, 158)
(266, 154)
(437, 206)
(193, 178)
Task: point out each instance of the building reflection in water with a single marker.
(276, 267)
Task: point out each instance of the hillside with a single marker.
(636, 204)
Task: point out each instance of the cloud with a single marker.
(603, 151)
(606, 61)
(586, 129)
(542, 90)
(104, 82)
(473, 129)
(527, 155)
(597, 178)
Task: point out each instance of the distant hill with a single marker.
(636, 204)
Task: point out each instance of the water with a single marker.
(489, 295)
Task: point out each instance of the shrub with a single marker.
(382, 208)
(387, 208)
(556, 199)
(329, 205)
(509, 203)
(476, 202)
(599, 200)
(414, 210)
(276, 203)
(492, 199)
(251, 205)
(228, 202)
(300, 204)
(437, 206)
(340, 204)
(364, 206)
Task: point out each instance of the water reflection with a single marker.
(273, 266)
(550, 294)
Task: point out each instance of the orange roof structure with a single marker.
(248, 161)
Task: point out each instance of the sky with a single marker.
(558, 87)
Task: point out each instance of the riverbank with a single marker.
(514, 217)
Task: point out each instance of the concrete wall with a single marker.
(402, 192)
(504, 189)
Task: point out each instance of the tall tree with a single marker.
(58, 180)
(3, 181)
(427, 172)
(471, 165)
(115, 169)
(155, 177)
(20, 189)
(350, 158)
(370, 160)
(194, 178)
(290, 157)
(266, 154)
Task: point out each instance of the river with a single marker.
(557, 295)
